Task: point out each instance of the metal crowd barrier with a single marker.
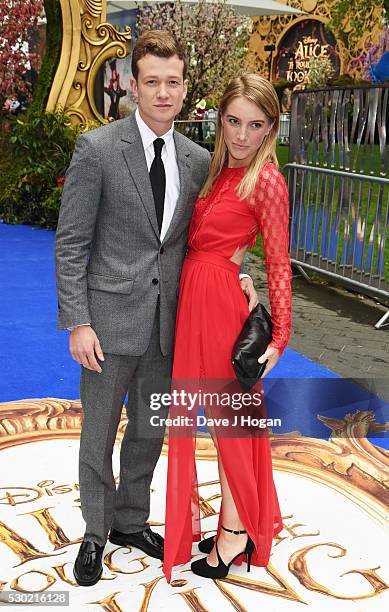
(200, 131)
(338, 176)
(203, 131)
(339, 226)
(283, 134)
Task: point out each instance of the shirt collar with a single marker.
(147, 134)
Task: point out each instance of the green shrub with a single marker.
(40, 147)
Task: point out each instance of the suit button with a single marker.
(155, 281)
(161, 250)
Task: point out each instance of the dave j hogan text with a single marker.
(236, 420)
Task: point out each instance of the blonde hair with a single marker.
(262, 93)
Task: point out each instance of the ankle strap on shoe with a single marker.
(235, 531)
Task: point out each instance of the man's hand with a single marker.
(249, 290)
(272, 355)
(84, 346)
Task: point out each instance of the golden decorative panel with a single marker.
(272, 29)
(348, 462)
(88, 41)
(334, 496)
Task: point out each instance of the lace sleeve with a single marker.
(272, 213)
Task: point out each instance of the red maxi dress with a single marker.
(211, 311)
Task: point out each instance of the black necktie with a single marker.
(158, 180)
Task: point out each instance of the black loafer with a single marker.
(88, 568)
(148, 541)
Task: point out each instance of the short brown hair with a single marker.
(156, 42)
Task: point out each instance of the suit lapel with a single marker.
(184, 170)
(135, 158)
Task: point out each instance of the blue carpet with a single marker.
(34, 356)
(35, 360)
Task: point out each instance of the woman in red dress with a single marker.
(245, 194)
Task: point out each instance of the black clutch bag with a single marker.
(251, 343)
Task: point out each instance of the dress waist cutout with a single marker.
(214, 259)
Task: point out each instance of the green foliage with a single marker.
(345, 80)
(361, 9)
(320, 71)
(43, 135)
(39, 150)
(36, 149)
(51, 58)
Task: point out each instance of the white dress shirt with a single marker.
(171, 168)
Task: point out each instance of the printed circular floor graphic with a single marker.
(331, 554)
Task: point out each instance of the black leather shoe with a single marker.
(150, 542)
(88, 568)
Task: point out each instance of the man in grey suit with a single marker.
(121, 239)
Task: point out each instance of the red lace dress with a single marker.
(211, 311)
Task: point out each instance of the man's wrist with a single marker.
(244, 275)
(81, 325)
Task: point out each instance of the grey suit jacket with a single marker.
(110, 262)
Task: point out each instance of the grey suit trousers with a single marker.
(102, 395)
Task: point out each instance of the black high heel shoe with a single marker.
(206, 545)
(202, 568)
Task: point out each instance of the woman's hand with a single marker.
(248, 289)
(272, 354)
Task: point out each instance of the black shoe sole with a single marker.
(122, 542)
(87, 582)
